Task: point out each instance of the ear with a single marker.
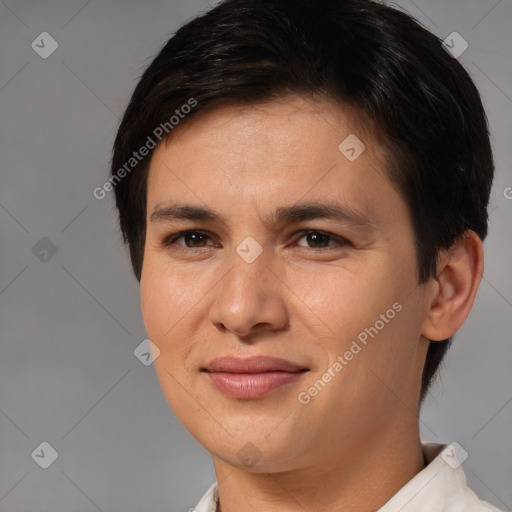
(453, 290)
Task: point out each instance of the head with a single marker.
(244, 111)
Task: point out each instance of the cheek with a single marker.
(369, 318)
(168, 301)
(167, 297)
(342, 301)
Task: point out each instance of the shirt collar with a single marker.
(430, 489)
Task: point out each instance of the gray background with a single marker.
(69, 327)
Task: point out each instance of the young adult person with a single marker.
(303, 187)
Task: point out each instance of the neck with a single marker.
(360, 478)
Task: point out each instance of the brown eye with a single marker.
(320, 240)
(192, 239)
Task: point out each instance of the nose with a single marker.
(250, 298)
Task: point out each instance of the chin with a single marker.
(252, 450)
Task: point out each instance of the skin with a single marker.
(356, 443)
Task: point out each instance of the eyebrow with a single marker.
(282, 215)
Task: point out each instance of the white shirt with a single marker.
(439, 487)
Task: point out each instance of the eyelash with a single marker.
(170, 240)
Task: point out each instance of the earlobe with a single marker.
(454, 288)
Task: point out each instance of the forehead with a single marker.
(289, 122)
(282, 151)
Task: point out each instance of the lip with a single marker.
(254, 364)
(252, 377)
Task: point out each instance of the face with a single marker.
(267, 239)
